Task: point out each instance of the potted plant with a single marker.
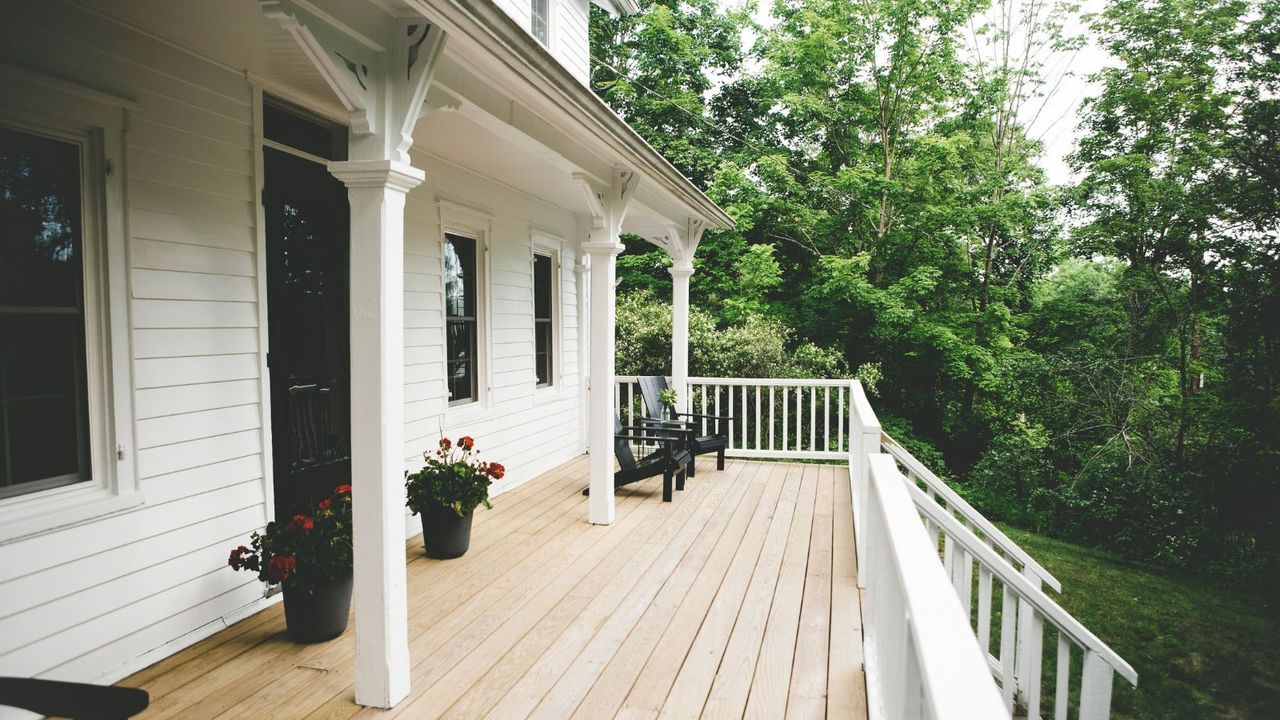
(310, 556)
(668, 398)
(446, 491)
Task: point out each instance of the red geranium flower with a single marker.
(302, 522)
(342, 490)
(444, 443)
(496, 471)
(280, 567)
(236, 561)
(325, 504)
(467, 442)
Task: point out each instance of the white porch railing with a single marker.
(773, 418)
(921, 659)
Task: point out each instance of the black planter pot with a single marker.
(319, 615)
(444, 534)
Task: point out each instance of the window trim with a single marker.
(549, 44)
(457, 219)
(98, 123)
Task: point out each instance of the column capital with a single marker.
(388, 174)
(680, 271)
(606, 248)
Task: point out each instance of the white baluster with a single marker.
(1008, 645)
(1061, 692)
(1095, 688)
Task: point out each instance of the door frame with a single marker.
(259, 90)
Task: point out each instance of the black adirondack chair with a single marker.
(72, 700)
(665, 454)
(651, 387)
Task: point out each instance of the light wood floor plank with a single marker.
(846, 683)
(737, 599)
(808, 695)
(689, 692)
(678, 601)
(728, 696)
(767, 699)
(653, 684)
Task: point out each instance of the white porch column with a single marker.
(604, 262)
(602, 247)
(680, 273)
(380, 74)
(376, 190)
(681, 243)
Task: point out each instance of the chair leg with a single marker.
(692, 469)
(666, 486)
(720, 459)
(680, 475)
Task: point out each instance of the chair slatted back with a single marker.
(651, 387)
(621, 447)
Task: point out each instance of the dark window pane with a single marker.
(39, 353)
(291, 127)
(40, 261)
(459, 276)
(542, 352)
(542, 287)
(42, 439)
(461, 360)
(542, 313)
(43, 405)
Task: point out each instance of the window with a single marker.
(543, 327)
(538, 20)
(460, 319)
(44, 438)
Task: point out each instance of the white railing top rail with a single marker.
(1043, 604)
(970, 514)
(793, 382)
(953, 670)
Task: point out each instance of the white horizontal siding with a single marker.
(571, 18)
(81, 602)
(527, 429)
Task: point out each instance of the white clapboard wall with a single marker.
(97, 600)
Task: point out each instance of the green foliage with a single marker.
(1099, 361)
(757, 347)
(306, 553)
(1201, 650)
(452, 477)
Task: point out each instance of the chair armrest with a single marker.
(659, 429)
(669, 423)
(706, 417)
(647, 438)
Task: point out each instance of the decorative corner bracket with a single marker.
(594, 200)
(381, 82)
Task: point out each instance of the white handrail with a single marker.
(916, 470)
(922, 661)
(1034, 607)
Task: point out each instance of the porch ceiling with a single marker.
(492, 123)
(735, 599)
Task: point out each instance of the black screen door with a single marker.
(307, 233)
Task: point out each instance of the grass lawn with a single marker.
(1201, 651)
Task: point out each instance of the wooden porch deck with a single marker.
(738, 599)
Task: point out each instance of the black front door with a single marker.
(307, 232)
